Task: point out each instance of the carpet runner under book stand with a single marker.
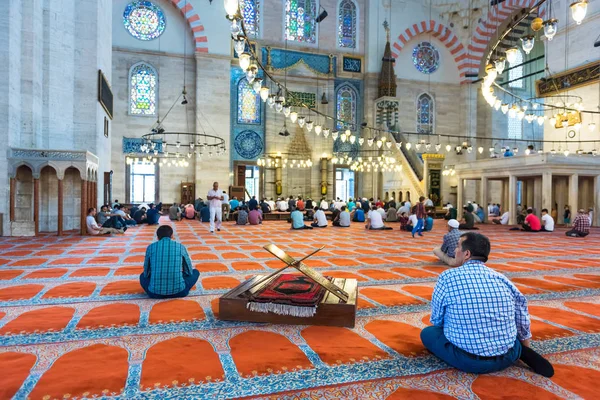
(307, 299)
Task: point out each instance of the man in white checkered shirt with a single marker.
(480, 319)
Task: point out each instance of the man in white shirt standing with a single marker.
(215, 198)
(547, 221)
(94, 229)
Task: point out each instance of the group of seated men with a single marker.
(118, 218)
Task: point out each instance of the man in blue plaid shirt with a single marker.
(168, 270)
(446, 251)
(480, 319)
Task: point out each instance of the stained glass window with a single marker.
(251, 12)
(248, 105)
(425, 114)
(143, 85)
(347, 24)
(426, 58)
(516, 72)
(346, 108)
(144, 20)
(300, 25)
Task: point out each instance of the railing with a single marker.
(416, 164)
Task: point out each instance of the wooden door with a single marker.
(241, 175)
(108, 187)
(187, 192)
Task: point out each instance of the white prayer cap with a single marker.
(453, 223)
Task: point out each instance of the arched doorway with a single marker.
(48, 212)
(71, 199)
(23, 196)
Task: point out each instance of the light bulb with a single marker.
(512, 112)
(577, 126)
(301, 121)
(520, 114)
(497, 104)
(264, 93)
(257, 84)
(540, 120)
(527, 42)
(566, 152)
(553, 121)
(379, 143)
(287, 110)
(326, 132)
(504, 108)
(491, 149)
(334, 135)
(251, 72)
(231, 7)
(578, 10)
(418, 146)
(480, 150)
(244, 61)
(361, 141)
(398, 145)
(239, 46)
(511, 55)
(318, 129)
(527, 152)
(438, 147)
(352, 139)
(278, 106)
(388, 144)
(550, 28)
(293, 116)
(591, 126)
(370, 142)
(500, 64)
(408, 146)
(235, 27)
(343, 137)
(309, 125)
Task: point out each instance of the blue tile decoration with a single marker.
(285, 59)
(133, 145)
(248, 144)
(352, 64)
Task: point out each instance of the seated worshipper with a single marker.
(468, 221)
(309, 204)
(234, 203)
(496, 210)
(446, 251)
(343, 218)
(451, 213)
(375, 220)
(490, 210)
(282, 205)
(324, 204)
(189, 212)
(242, 216)
(391, 215)
(547, 221)
(140, 216)
(320, 220)
(291, 203)
(391, 203)
(168, 269)
(429, 202)
(381, 212)
(127, 219)
(480, 319)
(364, 204)
(351, 204)
(378, 203)
(476, 218)
(107, 219)
(403, 209)
(300, 204)
(174, 213)
(94, 229)
(252, 203)
(205, 214)
(339, 203)
(309, 214)
(334, 213)
(298, 220)
(265, 207)
(532, 222)
(403, 222)
(503, 220)
(358, 215)
(581, 225)
(152, 215)
(480, 214)
(428, 223)
(255, 216)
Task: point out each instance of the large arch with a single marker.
(486, 30)
(439, 31)
(193, 19)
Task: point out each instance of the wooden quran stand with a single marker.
(338, 307)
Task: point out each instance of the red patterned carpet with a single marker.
(74, 322)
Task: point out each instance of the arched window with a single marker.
(347, 24)
(516, 73)
(425, 114)
(143, 88)
(251, 12)
(346, 107)
(248, 105)
(300, 25)
(515, 128)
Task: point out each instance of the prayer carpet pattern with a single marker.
(74, 321)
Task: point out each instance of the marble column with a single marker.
(537, 195)
(573, 194)
(82, 225)
(60, 207)
(596, 220)
(505, 197)
(483, 197)
(529, 193)
(36, 205)
(547, 192)
(459, 194)
(13, 196)
(512, 199)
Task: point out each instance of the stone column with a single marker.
(82, 227)
(36, 204)
(573, 194)
(596, 220)
(523, 192)
(483, 197)
(505, 202)
(512, 199)
(459, 194)
(547, 192)
(13, 196)
(529, 198)
(60, 207)
(537, 195)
